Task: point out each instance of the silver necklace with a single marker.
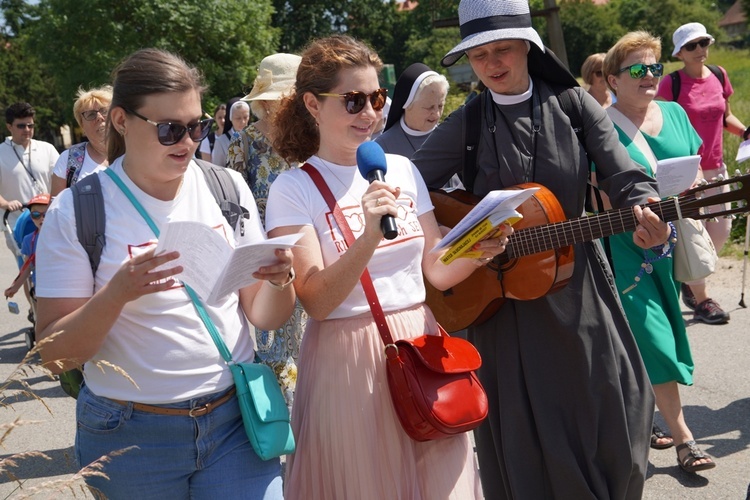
(343, 184)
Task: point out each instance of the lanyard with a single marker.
(28, 169)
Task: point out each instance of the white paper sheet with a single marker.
(210, 266)
(675, 175)
(743, 152)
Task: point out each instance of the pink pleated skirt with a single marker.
(350, 444)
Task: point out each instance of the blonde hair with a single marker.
(629, 43)
(85, 98)
(591, 65)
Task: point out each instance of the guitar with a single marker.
(538, 258)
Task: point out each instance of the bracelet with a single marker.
(746, 133)
(283, 286)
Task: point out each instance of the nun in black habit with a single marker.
(571, 406)
(418, 101)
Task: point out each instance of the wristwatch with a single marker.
(283, 286)
(746, 133)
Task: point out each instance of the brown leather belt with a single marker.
(184, 412)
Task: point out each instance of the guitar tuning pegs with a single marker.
(719, 178)
(737, 172)
(730, 216)
(702, 182)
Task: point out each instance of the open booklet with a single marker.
(210, 265)
(495, 208)
(676, 175)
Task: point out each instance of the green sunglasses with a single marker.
(640, 70)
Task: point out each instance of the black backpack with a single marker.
(676, 83)
(88, 205)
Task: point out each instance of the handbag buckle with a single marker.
(386, 351)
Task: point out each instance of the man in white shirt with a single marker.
(25, 164)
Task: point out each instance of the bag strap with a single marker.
(207, 321)
(365, 279)
(76, 155)
(90, 216)
(88, 204)
(225, 193)
(635, 135)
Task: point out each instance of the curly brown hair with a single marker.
(297, 137)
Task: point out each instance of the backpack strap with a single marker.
(76, 154)
(568, 99)
(88, 205)
(472, 125)
(717, 72)
(720, 75)
(675, 77)
(225, 193)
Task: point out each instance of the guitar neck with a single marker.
(546, 237)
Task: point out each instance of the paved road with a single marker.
(717, 408)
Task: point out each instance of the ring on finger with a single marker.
(378, 203)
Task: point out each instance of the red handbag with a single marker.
(434, 389)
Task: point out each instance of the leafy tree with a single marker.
(588, 29)
(226, 39)
(24, 78)
(664, 17)
(305, 20)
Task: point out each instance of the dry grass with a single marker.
(75, 484)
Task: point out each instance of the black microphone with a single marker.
(372, 166)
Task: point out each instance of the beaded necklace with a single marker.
(658, 252)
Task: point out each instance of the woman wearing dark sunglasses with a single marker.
(350, 443)
(176, 412)
(650, 299)
(705, 97)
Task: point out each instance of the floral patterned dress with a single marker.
(252, 155)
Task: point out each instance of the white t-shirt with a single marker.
(396, 266)
(15, 181)
(158, 339)
(89, 166)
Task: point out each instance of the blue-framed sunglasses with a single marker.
(640, 70)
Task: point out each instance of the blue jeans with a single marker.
(178, 457)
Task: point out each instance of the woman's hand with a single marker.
(651, 231)
(492, 247)
(379, 200)
(137, 277)
(278, 273)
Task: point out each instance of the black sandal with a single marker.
(688, 453)
(656, 435)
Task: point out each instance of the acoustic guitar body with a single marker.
(527, 277)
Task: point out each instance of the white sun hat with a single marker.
(487, 21)
(687, 32)
(276, 76)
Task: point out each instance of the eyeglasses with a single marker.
(640, 70)
(355, 101)
(23, 126)
(692, 45)
(172, 133)
(37, 215)
(91, 114)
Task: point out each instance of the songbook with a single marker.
(675, 175)
(210, 265)
(482, 222)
